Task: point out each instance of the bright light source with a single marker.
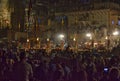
(88, 35)
(95, 43)
(116, 33)
(74, 39)
(48, 39)
(106, 37)
(61, 36)
(37, 39)
(28, 40)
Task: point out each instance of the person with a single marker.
(22, 71)
(114, 75)
(59, 73)
(41, 72)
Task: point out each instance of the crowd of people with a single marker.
(38, 65)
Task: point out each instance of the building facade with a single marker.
(100, 18)
(74, 18)
(4, 14)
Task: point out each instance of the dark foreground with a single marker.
(58, 65)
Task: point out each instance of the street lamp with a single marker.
(89, 35)
(115, 33)
(61, 36)
(92, 41)
(48, 39)
(28, 44)
(37, 39)
(61, 40)
(106, 37)
(28, 40)
(38, 43)
(74, 39)
(75, 44)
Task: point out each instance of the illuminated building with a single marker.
(4, 14)
(77, 17)
(72, 17)
(99, 17)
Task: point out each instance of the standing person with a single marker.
(59, 73)
(114, 75)
(22, 70)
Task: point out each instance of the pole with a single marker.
(108, 28)
(29, 13)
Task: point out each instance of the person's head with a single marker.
(114, 73)
(23, 56)
(58, 66)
